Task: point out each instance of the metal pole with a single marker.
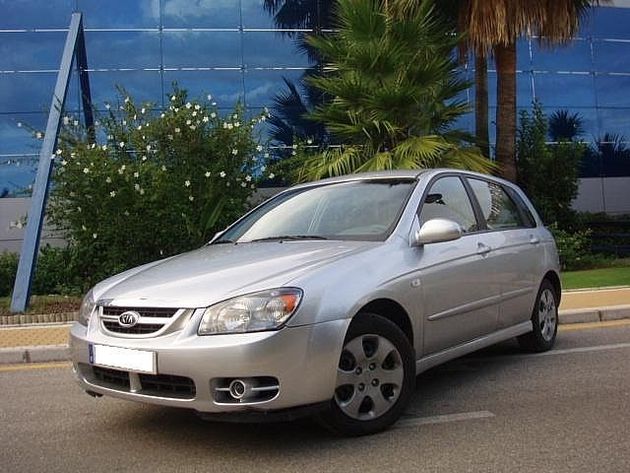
(30, 245)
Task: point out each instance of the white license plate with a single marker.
(123, 358)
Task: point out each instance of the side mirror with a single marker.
(438, 230)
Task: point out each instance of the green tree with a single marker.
(547, 172)
(395, 92)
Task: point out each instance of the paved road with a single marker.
(494, 411)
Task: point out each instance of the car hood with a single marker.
(217, 272)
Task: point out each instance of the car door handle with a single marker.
(483, 249)
(534, 240)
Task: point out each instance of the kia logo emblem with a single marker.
(128, 319)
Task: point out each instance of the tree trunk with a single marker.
(481, 104)
(505, 57)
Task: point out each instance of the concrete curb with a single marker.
(34, 354)
(28, 319)
(595, 314)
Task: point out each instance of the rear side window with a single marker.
(497, 207)
(447, 198)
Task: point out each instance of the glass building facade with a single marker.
(245, 49)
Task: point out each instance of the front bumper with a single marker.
(302, 359)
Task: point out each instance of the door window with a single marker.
(447, 198)
(497, 207)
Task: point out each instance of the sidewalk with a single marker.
(49, 342)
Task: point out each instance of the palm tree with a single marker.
(565, 126)
(393, 84)
(493, 27)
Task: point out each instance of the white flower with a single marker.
(173, 98)
(205, 119)
(112, 194)
(309, 142)
(86, 170)
(79, 209)
(104, 147)
(187, 183)
(126, 99)
(66, 120)
(188, 122)
(122, 169)
(141, 191)
(163, 168)
(262, 168)
(108, 180)
(293, 153)
(108, 106)
(144, 158)
(271, 175)
(94, 235)
(262, 119)
(39, 135)
(75, 123)
(230, 126)
(93, 145)
(193, 127)
(124, 122)
(176, 109)
(83, 227)
(266, 155)
(207, 174)
(259, 148)
(148, 147)
(191, 198)
(214, 104)
(162, 115)
(253, 186)
(209, 97)
(234, 151)
(213, 115)
(188, 105)
(295, 146)
(243, 184)
(222, 174)
(224, 125)
(248, 178)
(139, 127)
(237, 124)
(59, 151)
(177, 130)
(136, 187)
(64, 162)
(126, 212)
(121, 144)
(97, 123)
(197, 106)
(235, 116)
(136, 174)
(143, 110)
(194, 114)
(110, 137)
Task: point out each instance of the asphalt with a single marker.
(495, 411)
(49, 342)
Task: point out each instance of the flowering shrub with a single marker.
(156, 183)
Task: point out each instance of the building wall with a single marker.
(236, 50)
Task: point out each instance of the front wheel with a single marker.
(375, 378)
(544, 321)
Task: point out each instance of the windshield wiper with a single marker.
(290, 237)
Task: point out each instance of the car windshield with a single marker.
(353, 210)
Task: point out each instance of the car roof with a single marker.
(362, 176)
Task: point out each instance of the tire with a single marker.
(375, 378)
(544, 321)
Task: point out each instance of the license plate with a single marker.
(123, 358)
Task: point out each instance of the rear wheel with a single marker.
(375, 378)
(544, 321)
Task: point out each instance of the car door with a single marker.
(460, 297)
(517, 252)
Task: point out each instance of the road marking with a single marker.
(592, 325)
(416, 421)
(35, 366)
(566, 351)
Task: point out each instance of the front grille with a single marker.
(109, 377)
(162, 385)
(144, 312)
(139, 329)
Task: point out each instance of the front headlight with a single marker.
(265, 310)
(87, 307)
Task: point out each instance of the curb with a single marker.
(27, 319)
(34, 354)
(595, 314)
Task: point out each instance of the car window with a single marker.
(447, 198)
(498, 209)
(528, 217)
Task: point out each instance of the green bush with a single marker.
(574, 249)
(157, 185)
(8, 268)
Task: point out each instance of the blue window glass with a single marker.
(575, 57)
(587, 116)
(226, 87)
(202, 49)
(614, 121)
(30, 92)
(564, 90)
(120, 14)
(31, 51)
(265, 49)
(200, 14)
(113, 49)
(262, 86)
(143, 86)
(28, 14)
(612, 56)
(611, 23)
(612, 90)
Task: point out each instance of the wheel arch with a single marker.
(392, 311)
(554, 279)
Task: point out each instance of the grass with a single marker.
(616, 275)
(44, 305)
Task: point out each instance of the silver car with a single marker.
(327, 299)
